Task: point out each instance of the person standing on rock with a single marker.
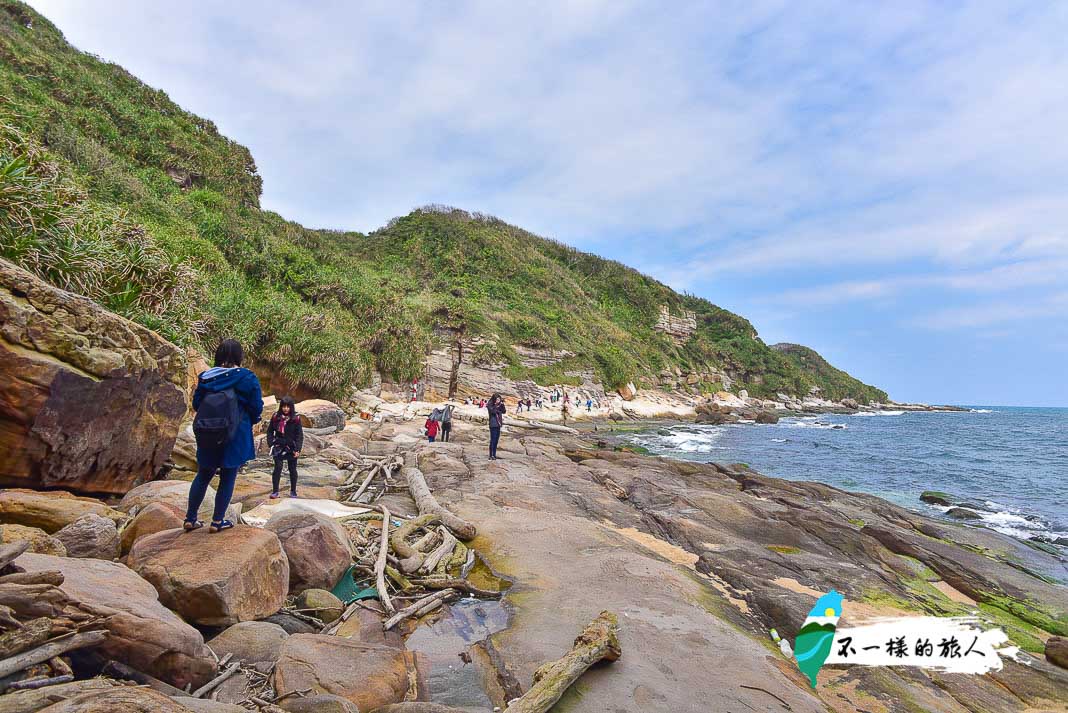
(227, 401)
(446, 423)
(285, 436)
(496, 410)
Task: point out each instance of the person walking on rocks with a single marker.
(227, 401)
(285, 436)
(496, 410)
(446, 423)
(431, 427)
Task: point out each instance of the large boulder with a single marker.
(317, 546)
(51, 511)
(144, 634)
(40, 541)
(216, 579)
(628, 391)
(250, 641)
(318, 413)
(89, 401)
(366, 675)
(153, 518)
(91, 536)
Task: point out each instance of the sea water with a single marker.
(1013, 462)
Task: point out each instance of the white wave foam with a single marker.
(878, 413)
(779, 440)
(982, 410)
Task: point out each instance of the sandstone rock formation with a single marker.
(144, 634)
(367, 676)
(174, 493)
(50, 511)
(322, 703)
(678, 328)
(89, 401)
(316, 546)
(215, 579)
(40, 541)
(119, 699)
(91, 536)
(250, 641)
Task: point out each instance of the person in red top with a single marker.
(431, 427)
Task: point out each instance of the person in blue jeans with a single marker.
(226, 374)
(496, 410)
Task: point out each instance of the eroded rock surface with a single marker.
(89, 401)
(317, 547)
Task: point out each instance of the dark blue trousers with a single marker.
(225, 491)
(495, 436)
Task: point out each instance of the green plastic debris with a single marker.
(349, 591)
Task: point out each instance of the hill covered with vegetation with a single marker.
(109, 189)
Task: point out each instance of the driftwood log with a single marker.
(597, 642)
(33, 633)
(380, 564)
(448, 544)
(460, 585)
(409, 558)
(10, 552)
(53, 648)
(35, 700)
(428, 504)
(427, 603)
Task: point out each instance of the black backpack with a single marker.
(217, 419)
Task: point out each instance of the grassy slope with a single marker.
(110, 189)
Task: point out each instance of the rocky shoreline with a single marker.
(699, 561)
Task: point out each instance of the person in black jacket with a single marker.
(496, 410)
(285, 436)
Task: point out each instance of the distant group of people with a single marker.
(228, 401)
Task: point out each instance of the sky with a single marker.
(884, 182)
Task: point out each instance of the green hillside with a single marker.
(109, 189)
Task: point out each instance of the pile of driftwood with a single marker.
(357, 488)
(40, 626)
(415, 563)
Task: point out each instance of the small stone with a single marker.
(291, 624)
(1057, 651)
(322, 703)
(250, 641)
(963, 514)
(320, 604)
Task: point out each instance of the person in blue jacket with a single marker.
(226, 374)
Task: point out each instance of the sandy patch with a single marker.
(953, 593)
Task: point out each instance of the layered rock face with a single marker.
(89, 401)
(678, 328)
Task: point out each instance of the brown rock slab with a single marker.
(40, 541)
(120, 699)
(323, 703)
(365, 675)
(215, 579)
(202, 705)
(153, 518)
(144, 634)
(250, 641)
(50, 511)
(38, 699)
(91, 536)
(318, 549)
(89, 401)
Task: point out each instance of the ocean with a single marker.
(1012, 462)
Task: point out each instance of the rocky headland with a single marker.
(464, 576)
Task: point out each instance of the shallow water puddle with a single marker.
(451, 681)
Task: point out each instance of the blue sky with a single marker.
(884, 182)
